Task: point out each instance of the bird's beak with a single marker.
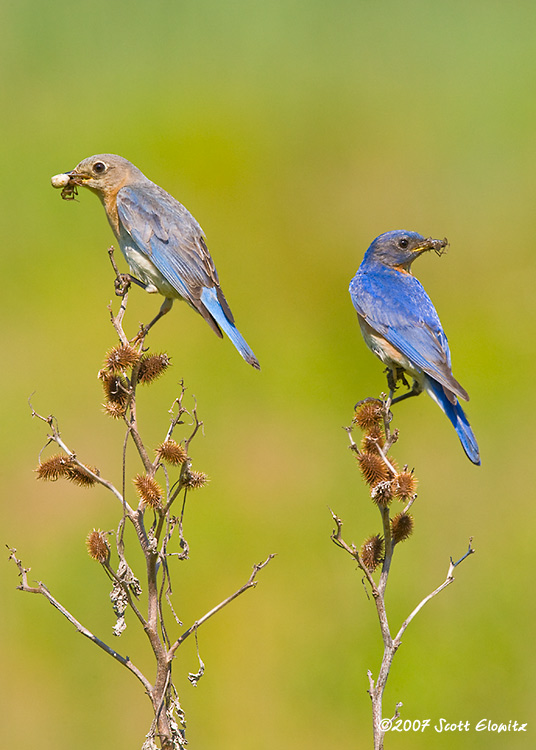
(76, 178)
(438, 246)
(68, 181)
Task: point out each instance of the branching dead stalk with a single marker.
(387, 483)
(160, 534)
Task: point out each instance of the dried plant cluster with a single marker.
(148, 502)
(389, 489)
(387, 483)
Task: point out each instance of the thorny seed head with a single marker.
(53, 468)
(194, 480)
(371, 439)
(369, 416)
(97, 545)
(405, 485)
(372, 467)
(382, 493)
(116, 389)
(80, 475)
(152, 366)
(121, 358)
(114, 410)
(149, 490)
(401, 527)
(172, 453)
(371, 552)
(63, 466)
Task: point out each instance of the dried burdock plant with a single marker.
(152, 366)
(405, 485)
(195, 479)
(387, 487)
(97, 546)
(372, 551)
(121, 358)
(117, 393)
(55, 467)
(369, 415)
(171, 452)
(372, 467)
(146, 503)
(401, 527)
(149, 490)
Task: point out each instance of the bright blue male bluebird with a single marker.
(400, 325)
(162, 242)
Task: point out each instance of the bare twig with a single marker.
(353, 552)
(251, 582)
(122, 284)
(448, 580)
(42, 589)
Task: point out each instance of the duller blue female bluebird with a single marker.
(400, 325)
(162, 242)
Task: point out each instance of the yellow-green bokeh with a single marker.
(295, 131)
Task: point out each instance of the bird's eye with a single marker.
(99, 167)
(403, 243)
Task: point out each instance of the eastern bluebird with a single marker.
(400, 325)
(163, 244)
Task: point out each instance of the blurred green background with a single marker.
(295, 131)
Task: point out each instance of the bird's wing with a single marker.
(396, 305)
(168, 234)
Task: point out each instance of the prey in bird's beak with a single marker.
(68, 182)
(438, 246)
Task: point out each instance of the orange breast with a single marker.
(109, 201)
(385, 351)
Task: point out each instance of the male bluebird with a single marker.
(400, 325)
(162, 242)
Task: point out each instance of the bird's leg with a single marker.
(401, 375)
(134, 280)
(167, 304)
(392, 379)
(394, 374)
(415, 390)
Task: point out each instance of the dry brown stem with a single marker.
(390, 643)
(154, 525)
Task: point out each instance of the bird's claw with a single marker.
(140, 336)
(122, 284)
(394, 376)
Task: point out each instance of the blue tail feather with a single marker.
(210, 300)
(457, 416)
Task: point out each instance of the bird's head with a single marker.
(399, 249)
(101, 173)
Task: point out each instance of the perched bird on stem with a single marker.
(400, 325)
(162, 242)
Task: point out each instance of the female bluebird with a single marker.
(400, 325)
(162, 242)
